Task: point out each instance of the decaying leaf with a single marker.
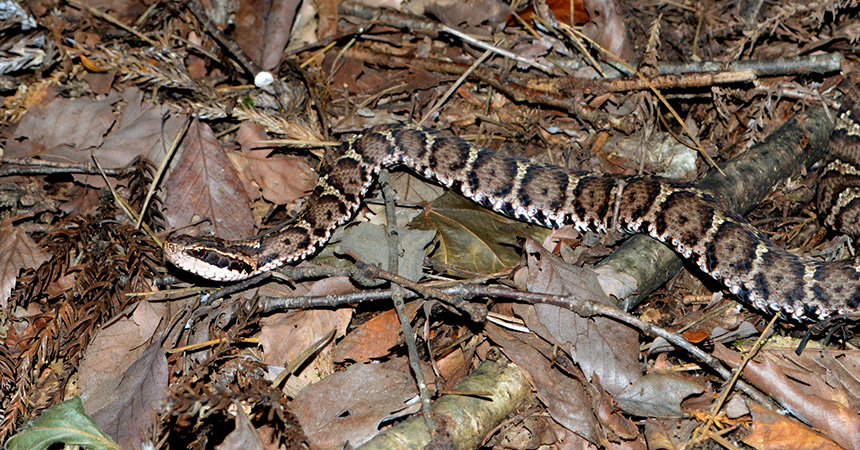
(805, 388)
(145, 130)
(285, 337)
(204, 185)
(63, 130)
(263, 28)
(774, 431)
(567, 400)
(658, 395)
(113, 351)
(19, 251)
(282, 179)
(471, 237)
(140, 391)
(599, 345)
(349, 406)
(374, 338)
(370, 243)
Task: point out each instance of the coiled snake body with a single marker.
(721, 243)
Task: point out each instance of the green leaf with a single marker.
(65, 423)
(472, 237)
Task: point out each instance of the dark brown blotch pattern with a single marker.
(731, 251)
(592, 200)
(545, 187)
(349, 177)
(637, 200)
(494, 174)
(684, 216)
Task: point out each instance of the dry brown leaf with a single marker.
(127, 10)
(567, 401)
(63, 130)
(374, 338)
(773, 431)
(204, 184)
(555, 237)
(660, 154)
(141, 389)
(412, 189)
(283, 179)
(68, 130)
(658, 395)
(328, 17)
(19, 251)
(120, 378)
(142, 131)
(357, 123)
(82, 200)
(665, 434)
(807, 394)
(349, 406)
(263, 29)
(566, 11)
(284, 337)
(696, 336)
(454, 366)
(464, 15)
(113, 350)
(600, 346)
(100, 83)
(607, 28)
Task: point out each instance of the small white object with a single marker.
(264, 79)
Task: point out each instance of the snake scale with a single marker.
(723, 244)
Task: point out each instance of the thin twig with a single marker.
(123, 204)
(515, 86)
(162, 168)
(418, 24)
(304, 356)
(727, 387)
(470, 291)
(240, 56)
(30, 166)
(696, 144)
(399, 306)
(455, 86)
(114, 21)
(492, 48)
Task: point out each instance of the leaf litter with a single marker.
(75, 322)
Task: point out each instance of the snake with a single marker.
(723, 244)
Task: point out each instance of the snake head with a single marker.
(211, 257)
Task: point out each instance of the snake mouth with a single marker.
(208, 262)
